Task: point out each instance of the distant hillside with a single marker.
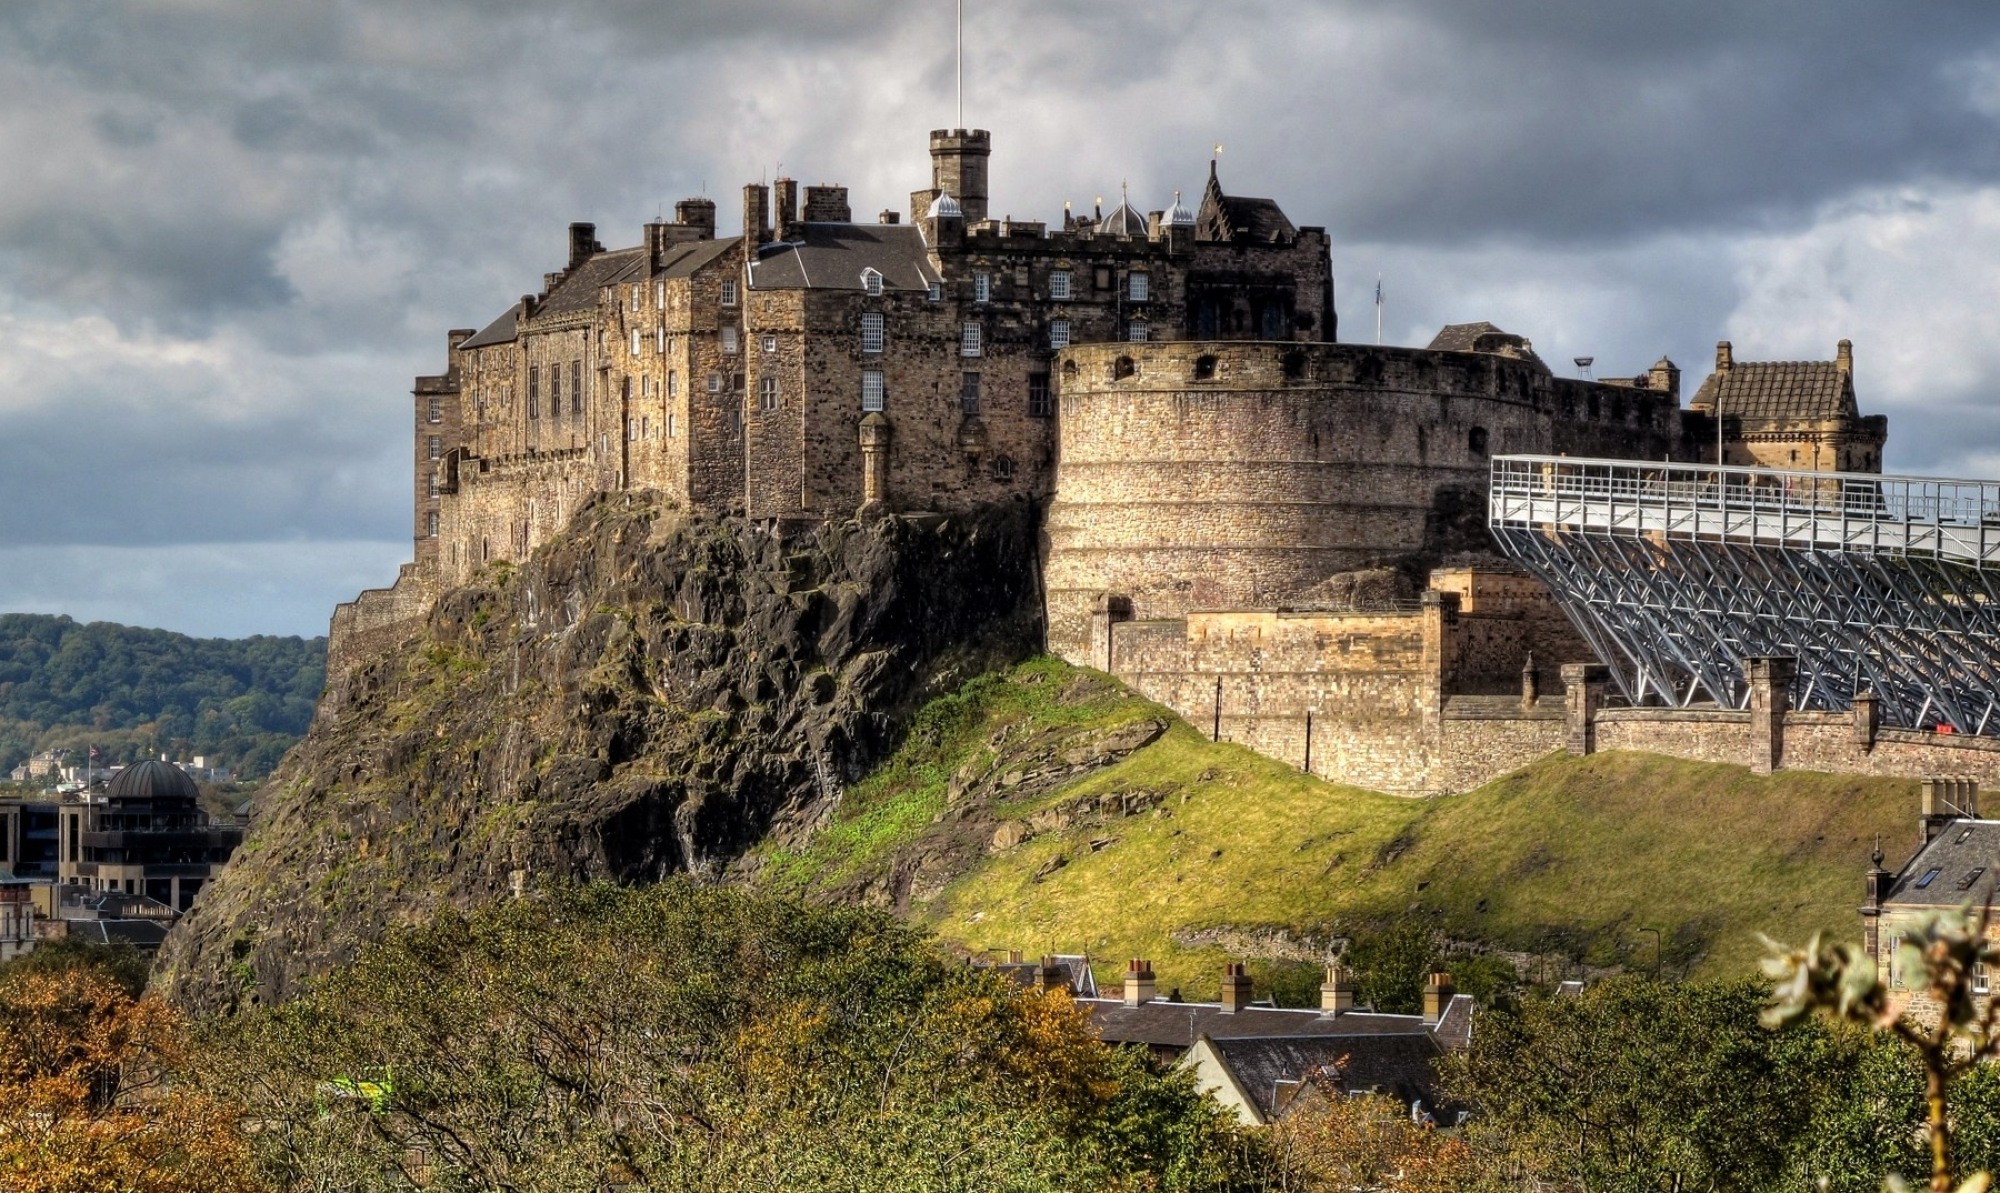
(1050, 809)
(131, 692)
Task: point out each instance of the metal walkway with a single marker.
(1676, 573)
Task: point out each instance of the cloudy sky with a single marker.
(232, 230)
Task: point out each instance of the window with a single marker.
(770, 343)
(1965, 884)
(1926, 880)
(1138, 286)
(434, 411)
(729, 293)
(1123, 368)
(871, 389)
(1058, 333)
(631, 429)
(729, 339)
(673, 382)
(555, 391)
(431, 525)
(576, 387)
(767, 393)
(659, 295)
(635, 341)
(968, 340)
(715, 383)
(871, 332)
(1039, 403)
(1204, 368)
(1136, 333)
(434, 485)
(603, 444)
(534, 392)
(1059, 285)
(937, 291)
(671, 421)
(968, 393)
(1003, 468)
(1475, 441)
(1982, 983)
(645, 427)
(871, 281)
(635, 298)
(660, 340)
(982, 287)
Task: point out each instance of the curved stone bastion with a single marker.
(1198, 475)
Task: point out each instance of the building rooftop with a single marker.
(1779, 389)
(1164, 1024)
(152, 779)
(1267, 1068)
(835, 256)
(1957, 865)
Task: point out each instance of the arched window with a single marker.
(1204, 368)
(1069, 369)
(1475, 441)
(1123, 368)
(1295, 365)
(1003, 468)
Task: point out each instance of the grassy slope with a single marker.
(1246, 856)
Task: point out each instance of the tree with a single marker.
(82, 1107)
(688, 1036)
(1330, 1141)
(1940, 954)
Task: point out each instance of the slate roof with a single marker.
(1966, 856)
(152, 779)
(685, 260)
(1484, 338)
(1264, 1066)
(1779, 389)
(1239, 217)
(1165, 1024)
(578, 291)
(1075, 967)
(1125, 221)
(833, 256)
(500, 331)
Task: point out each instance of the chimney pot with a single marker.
(1437, 996)
(1336, 997)
(1139, 985)
(1236, 988)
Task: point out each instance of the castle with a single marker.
(1220, 476)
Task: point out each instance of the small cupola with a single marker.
(1178, 216)
(944, 207)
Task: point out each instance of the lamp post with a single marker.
(1656, 951)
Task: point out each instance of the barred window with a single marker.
(968, 340)
(1059, 285)
(1058, 333)
(871, 389)
(968, 393)
(871, 332)
(767, 393)
(1040, 405)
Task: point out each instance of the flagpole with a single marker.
(1378, 310)
(961, 63)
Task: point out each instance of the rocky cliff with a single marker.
(650, 693)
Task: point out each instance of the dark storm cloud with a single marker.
(231, 230)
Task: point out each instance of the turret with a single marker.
(958, 167)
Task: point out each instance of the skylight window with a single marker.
(1926, 879)
(1965, 884)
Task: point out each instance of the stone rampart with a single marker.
(1209, 475)
(375, 621)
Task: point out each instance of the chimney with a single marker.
(1437, 996)
(1014, 956)
(827, 205)
(1336, 996)
(757, 213)
(788, 209)
(1531, 683)
(1724, 357)
(1235, 988)
(457, 336)
(698, 214)
(889, 217)
(1050, 975)
(582, 243)
(1139, 988)
(1946, 800)
(656, 240)
(1843, 356)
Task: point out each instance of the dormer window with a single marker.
(937, 291)
(871, 281)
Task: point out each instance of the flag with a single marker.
(93, 751)
(1378, 292)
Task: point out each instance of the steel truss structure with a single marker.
(1677, 573)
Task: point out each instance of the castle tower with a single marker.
(958, 168)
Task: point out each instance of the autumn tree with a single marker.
(83, 1107)
(1329, 1141)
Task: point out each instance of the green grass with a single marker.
(1244, 856)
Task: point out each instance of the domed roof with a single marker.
(152, 780)
(1178, 216)
(944, 207)
(1123, 222)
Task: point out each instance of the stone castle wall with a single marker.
(1200, 475)
(375, 621)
